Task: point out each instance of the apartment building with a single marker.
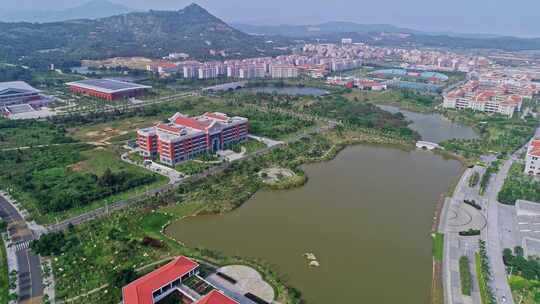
(532, 160)
(490, 99)
(283, 71)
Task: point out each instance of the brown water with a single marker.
(366, 215)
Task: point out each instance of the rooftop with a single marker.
(534, 148)
(107, 85)
(18, 86)
(216, 297)
(140, 291)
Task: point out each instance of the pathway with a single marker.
(28, 266)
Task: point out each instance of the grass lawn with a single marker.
(4, 276)
(115, 130)
(438, 246)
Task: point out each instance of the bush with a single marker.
(474, 179)
(465, 276)
(473, 204)
(470, 232)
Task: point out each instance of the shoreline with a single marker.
(330, 155)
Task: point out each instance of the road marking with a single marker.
(30, 274)
(22, 245)
(526, 230)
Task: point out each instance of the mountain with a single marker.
(191, 30)
(336, 27)
(389, 35)
(316, 29)
(90, 10)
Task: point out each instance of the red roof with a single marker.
(168, 128)
(192, 123)
(485, 96)
(216, 116)
(534, 148)
(140, 291)
(216, 297)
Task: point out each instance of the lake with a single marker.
(434, 127)
(366, 215)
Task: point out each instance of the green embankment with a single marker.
(438, 246)
(4, 276)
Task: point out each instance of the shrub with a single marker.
(465, 275)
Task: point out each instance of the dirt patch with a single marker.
(92, 134)
(78, 167)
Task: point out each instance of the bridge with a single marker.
(231, 86)
(427, 145)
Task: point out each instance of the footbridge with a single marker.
(231, 86)
(427, 145)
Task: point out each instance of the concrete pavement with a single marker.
(456, 216)
(29, 281)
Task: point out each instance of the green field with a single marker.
(54, 183)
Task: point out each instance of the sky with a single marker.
(505, 17)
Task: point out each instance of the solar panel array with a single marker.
(109, 84)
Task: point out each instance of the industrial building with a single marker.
(107, 89)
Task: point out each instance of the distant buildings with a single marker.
(184, 137)
(532, 160)
(20, 100)
(362, 84)
(181, 276)
(283, 71)
(490, 99)
(107, 89)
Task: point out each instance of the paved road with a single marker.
(29, 275)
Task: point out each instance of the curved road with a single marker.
(29, 274)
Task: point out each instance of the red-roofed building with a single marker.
(159, 283)
(216, 297)
(173, 278)
(187, 137)
(532, 160)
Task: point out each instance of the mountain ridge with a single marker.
(310, 30)
(191, 30)
(90, 10)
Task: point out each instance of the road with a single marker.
(499, 282)
(29, 266)
(495, 231)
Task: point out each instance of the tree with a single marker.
(122, 278)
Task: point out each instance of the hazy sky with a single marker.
(512, 17)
